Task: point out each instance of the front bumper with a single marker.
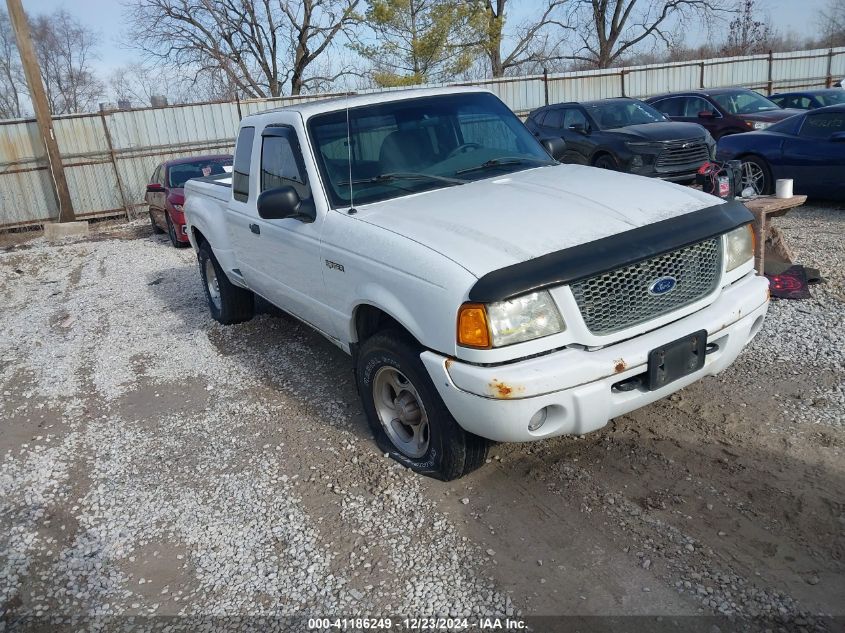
(576, 386)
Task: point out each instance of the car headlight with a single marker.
(503, 323)
(739, 247)
(636, 162)
(760, 125)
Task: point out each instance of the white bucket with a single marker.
(783, 188)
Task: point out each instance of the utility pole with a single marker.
(42, 109)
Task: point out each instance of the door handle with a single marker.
(255, 229)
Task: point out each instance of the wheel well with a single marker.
(199, 238)
(599, 154)
(369, 320)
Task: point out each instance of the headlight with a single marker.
(507, 322)
(739, 247)
(759, 125)
(636, 163)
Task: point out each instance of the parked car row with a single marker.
(796, 135)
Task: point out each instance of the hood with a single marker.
(667, 131)
(772, 116)
(492, 223)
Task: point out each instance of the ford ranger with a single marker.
(483, 290)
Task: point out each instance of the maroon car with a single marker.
(722, 111)
(165, 194)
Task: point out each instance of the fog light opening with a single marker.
(538, 419)
(755, 329)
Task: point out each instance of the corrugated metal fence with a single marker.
(109, 156)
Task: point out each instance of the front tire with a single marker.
(406, 414)
(228, 303)
(756, 174)
(606, 161)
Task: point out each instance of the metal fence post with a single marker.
(117, 177)
(701, 76)
(622, 79)
(828, 82)
(546, 84)
(769, 83)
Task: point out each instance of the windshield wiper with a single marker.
(401, 175)
(506, 160)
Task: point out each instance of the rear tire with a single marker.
(157, 230)
(406, 414)
(228, 303)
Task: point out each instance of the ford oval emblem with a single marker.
(662, 286)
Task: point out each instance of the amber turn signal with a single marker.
(473, 330)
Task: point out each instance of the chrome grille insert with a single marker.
(627, 296)
(677, 156)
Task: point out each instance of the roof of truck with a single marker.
(309, 108)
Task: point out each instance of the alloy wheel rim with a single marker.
(212, 284)
(753, 176)
(401, 412)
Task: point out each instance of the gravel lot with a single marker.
(155, 462)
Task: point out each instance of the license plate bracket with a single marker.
(677, 359)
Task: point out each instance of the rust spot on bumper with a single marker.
(448, 362)
(620, 365)
(502, 390)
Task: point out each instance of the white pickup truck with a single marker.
(483, 290)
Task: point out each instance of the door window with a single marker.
(240, 171)
(670, 107)
(821, 126)
(554, 119)
(573, 116)
(281, 161)
(693, 105)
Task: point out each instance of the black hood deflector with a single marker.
(608, 253)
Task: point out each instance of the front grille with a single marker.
(622, 298)
(677, 156)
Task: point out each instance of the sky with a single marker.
(106, 17)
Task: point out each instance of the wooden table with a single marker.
(763, 208)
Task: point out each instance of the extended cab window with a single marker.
(281, 161)
(240, 171)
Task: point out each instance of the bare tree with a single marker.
(614, 29)
(748, 32)
(262, 47)
(12, 82)
(832, 23)
(534, 41)
(65, 49)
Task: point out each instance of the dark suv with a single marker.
(625, 135)
(722, 111)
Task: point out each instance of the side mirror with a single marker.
(283, 202)
(578, 127)
(706, 114)
(837, 137)
(154, 187)
(556, 147)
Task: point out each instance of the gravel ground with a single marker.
(158, 463)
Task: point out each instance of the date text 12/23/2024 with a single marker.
(417, 624)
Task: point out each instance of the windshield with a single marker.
(414, 145)
(834, 97)
(180, 173)
(613, 114)
(744, 102)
